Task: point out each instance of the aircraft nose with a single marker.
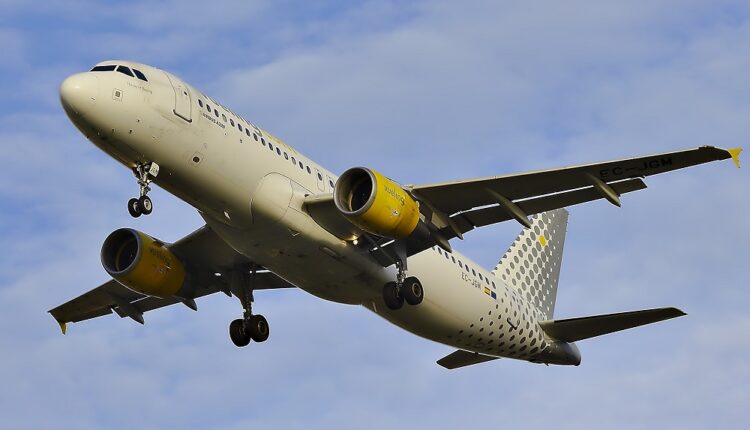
(78, 92)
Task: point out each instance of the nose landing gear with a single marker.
(144, 174)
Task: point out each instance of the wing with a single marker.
(453, 197)
(206, 255)
(454, 208)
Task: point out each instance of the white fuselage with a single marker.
(251, 193)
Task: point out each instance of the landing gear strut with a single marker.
(144, 174)
(250, 327)
(405, 289)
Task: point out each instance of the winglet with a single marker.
(735, 154)
(63, 326)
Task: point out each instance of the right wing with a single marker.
(206, 255)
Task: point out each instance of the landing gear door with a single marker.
(182, 105)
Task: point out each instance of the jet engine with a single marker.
(142, 263)
(376, 204)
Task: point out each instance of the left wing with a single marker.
(454, 208)
(206, 255)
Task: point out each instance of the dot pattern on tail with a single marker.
(531, 265)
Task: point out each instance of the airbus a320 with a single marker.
(276, 219)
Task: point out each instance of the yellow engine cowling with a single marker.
(376, 204)
(142, 263)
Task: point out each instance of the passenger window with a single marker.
(320, 177)
(224, 117)
(460, 264)
(330, 183)
(247, 132)
(125, 71)
(294, 161)
(278, 151)
(231, 121)
(474, 272)
(200, 102)
(107, 68)
(301, 166)
(308, 170)
(270, 146)
(286, 156)
(454, 259)
(240, 127)
(208, 108)
(255, 136)
(140, 75)
(216, 112)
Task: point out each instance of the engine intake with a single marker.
(376, 204)
(142, 263)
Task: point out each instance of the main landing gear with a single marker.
(405, 289)
(250, 327)
(144, 174)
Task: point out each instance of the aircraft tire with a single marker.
(238, 334)
(258, 328)
(412, 291)
(145, 205)
(134, 208)
(392, 297)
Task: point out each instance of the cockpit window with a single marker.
(124, 70)
(140, 75)
(107, 68)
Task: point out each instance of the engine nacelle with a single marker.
(376, 204)
(142, 263)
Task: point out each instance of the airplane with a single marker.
(276, 219)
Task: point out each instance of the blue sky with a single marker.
(423, 91)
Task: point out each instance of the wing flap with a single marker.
(574, 329)
(471, 219)
(461, 358)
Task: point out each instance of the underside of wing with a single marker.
(450, 209)
(212, 265)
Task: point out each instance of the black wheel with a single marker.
(134, 208)
(412, 291)
(258, 328)
(238, 334)
(391, 296)
(145, 205)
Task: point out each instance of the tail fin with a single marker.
(532, 263)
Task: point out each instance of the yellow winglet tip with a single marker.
(63, 327)
(735, 154)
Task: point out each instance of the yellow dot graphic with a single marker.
(543, 240)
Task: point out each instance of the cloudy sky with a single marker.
(423, 91)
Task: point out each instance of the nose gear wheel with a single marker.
(144, 174)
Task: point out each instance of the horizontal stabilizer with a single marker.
(462, 358)
(574, 329)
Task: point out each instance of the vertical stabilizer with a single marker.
(532, 263)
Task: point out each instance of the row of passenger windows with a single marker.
(262, 140)
(134, 73)
(466, 267)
